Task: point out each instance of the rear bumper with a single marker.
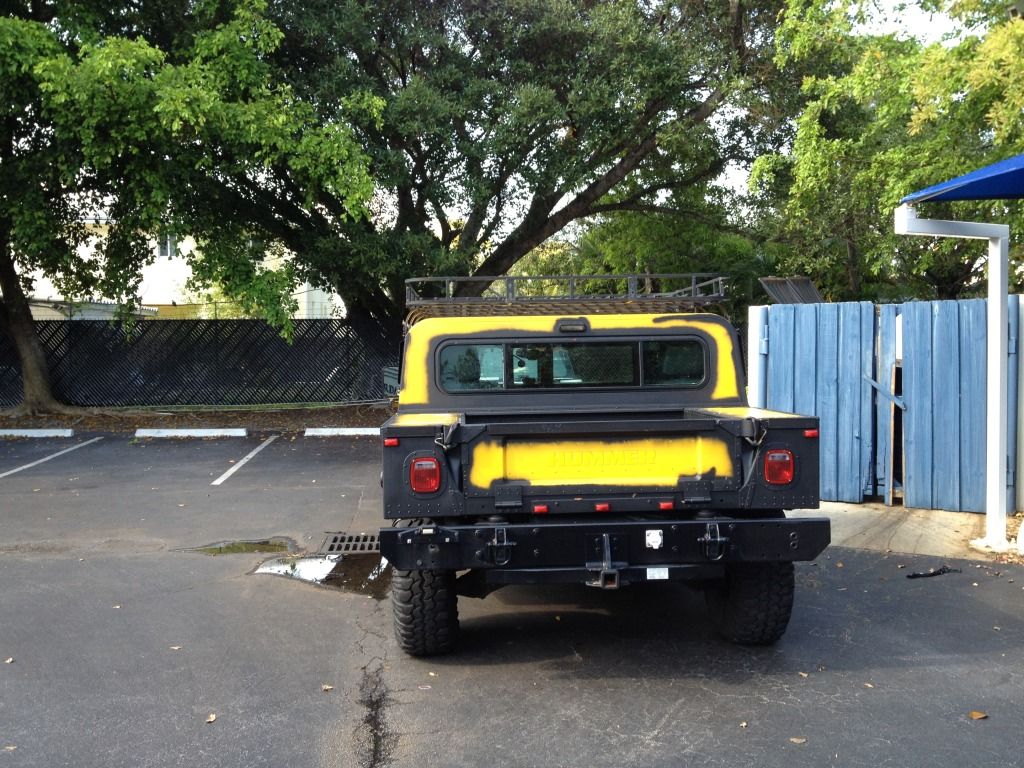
(623, 547)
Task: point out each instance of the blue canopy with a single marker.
(1000, 181)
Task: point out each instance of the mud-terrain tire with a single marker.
(426, 611)
(753, 604)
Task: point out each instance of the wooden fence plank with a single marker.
(886, 346)
(972, 378)
(848, 403)
(805, 349)
(1012, 384)
(945, 406)
(866, 430)
(917, 389)
(781, 363)
(826, 387)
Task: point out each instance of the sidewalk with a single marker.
(899, 529)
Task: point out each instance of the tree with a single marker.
(506, 121)
(891, 115)
(99, 120)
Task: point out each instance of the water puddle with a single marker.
(242, 547)
(361, 573)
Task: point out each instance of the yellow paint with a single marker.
(654, 462)
(424, 419)
(743, 412)
(415, 383)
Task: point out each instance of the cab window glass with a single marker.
(677, 363)
(548, 365)
(470, 367)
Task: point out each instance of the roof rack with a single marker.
(560, 294)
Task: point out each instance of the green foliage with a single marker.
(181, 138)
(883, 117)
(505, 122)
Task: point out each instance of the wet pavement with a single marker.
(123, 643)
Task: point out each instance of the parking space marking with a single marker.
(248, 456)
(341, 431)
(37, 433)
(51, 456)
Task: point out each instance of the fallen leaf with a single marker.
(558, 618)
(798, 740)
(9, 660)
(840, 564)
(996, 628)
(423, 687)
(211, 718)
(802, 674)
(181, 505)
(743, 724)
(117, 606)
(976, 715)
(326, 687)
(432, 674)
(822, 667)
(901, 566)
(974, 583)
(175, 647)
(868, 685)
(10, 748)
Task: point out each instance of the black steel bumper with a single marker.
(604, 551)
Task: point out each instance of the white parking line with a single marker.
(51, 456)
(341, 431)
(248, 456)
(37, 433)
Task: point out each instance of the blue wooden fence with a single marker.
(838, 362)
(820, 364)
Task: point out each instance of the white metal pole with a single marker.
(998, 236)
(996, 438)
(757, 356)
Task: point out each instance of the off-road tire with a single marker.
(426, 611)
(753, 604)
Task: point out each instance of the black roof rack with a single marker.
(560, 294)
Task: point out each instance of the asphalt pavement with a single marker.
(123, 640)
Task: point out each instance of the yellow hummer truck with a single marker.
(559, 437)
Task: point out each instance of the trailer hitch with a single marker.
(501, 547)
(607, 576)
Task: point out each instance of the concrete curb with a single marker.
(37, 433)
(191, 433)
(341, 431)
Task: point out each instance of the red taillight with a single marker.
(810, 433)
(602, 507)
(778, 467)
(540, 509)
(665, 505)
(425, 475)
(390, 442)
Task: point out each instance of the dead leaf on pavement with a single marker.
(326, 687)
(9, 660)
(976, 715)
(175, 647)
(798, 739)
(802, 674)
(840, 564)
(743, 724)
(10, 748)
(868, 685)
(211, 717)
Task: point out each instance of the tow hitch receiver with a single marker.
(607, 575)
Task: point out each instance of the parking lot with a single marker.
(123, 641)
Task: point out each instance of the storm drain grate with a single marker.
(347, 543)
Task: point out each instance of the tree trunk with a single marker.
(16, 321)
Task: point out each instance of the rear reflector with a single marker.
(540, 509)
(810, 433)
(602, 507)
(779, 467)
(665, 505)
(390, 442)
(425, 475)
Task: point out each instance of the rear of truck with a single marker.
(609, 450)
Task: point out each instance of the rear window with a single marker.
(468, 367)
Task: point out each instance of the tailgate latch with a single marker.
(712, 543)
